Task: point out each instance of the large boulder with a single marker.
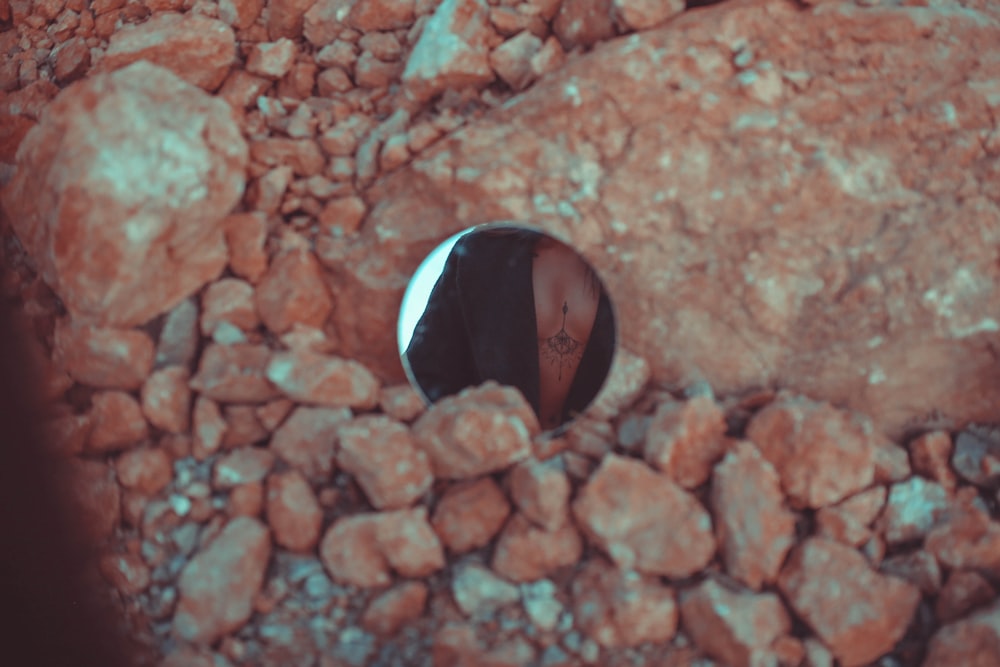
(814, 209)
(139, 168)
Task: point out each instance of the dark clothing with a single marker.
(480, 325)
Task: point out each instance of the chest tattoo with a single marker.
(562, 349)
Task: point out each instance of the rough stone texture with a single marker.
(363, 549)
(541, 491)
(667, 199)
(196, 48)
(930, 453)
(736, 628)
(95, 497)
(685, 440)
(966, 539)
(242, 466)
(583, 22)
(178, 342)
(821, 454)
(512, 60)
(371, 15)
(470, 514)
(272, 60)
(148, 165)
(478, 591)
(617, 608)
(977, 457)
(973, 641)
(235, 374)
(218, 585)
(166, 399)
(525, 552)
(871, 612)
(309, 377)
(965, 590)
(643, 14)
(392, 609)
(380, 453)
(480, 430)
(292, 291)
(848, 520)
(293, 512)
(103, 358)
(117, 422)
(307, 440)
(914, 506)
(286, 17)
(643, 520)
(452, 51)
(228, 300)
(146, 470)
(918, 567)
(753, 527)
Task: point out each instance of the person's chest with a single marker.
(566, 297)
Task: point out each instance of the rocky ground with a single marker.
(210, 211)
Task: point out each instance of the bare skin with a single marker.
(566, 300)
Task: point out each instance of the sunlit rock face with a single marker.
(139, 169)
(813, 209)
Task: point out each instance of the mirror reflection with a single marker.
(512, 304)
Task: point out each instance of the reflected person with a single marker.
(521, 308)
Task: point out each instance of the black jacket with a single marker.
(480, 325)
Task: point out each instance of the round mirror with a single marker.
(512, 304)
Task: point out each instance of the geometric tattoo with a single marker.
(562, 348)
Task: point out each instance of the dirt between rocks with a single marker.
(210, 211)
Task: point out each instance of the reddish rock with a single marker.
(966, 539)
(117, 422)
(196, 48)
(913, 508)
(285, 18)
(242, 427)
(242, 466)
(292, 291)
(401, 402)
(684, 440)
(72, 60)
(464, 26)
(930, 453)
(381, 454)
(918, 567)
(848, 520)
(13, 129)
(477, 591)
(541, 491)
(247, 500)
(736, 628)
(644, 14)
(234, 374)
(217, 587)
(821, 454)
(94, 495)
(360, 549)
(166, 399)
(272, 60)
(293, 512)
(892, 464)
(272, 414)
(154, 246)
(126, 572)
(68, 434)
(470, 514)
(309, 377)
(102, 357)
(147, 470)
(301, 155)
(977, 456)
(973, 641)
(628, 377)
(333, 80)
(753, 527)
(965, 590)
(481, 430)
(391, 610)
(179, 340)
(241, 14)
(512, 60)
(616, 608)
(872, 613)
(525, 552)
(307, 440)
(228, 300)
(644, 521)
(371, 15)
(208, 428)
(245, 237)
(372, 73)
(583, 22)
